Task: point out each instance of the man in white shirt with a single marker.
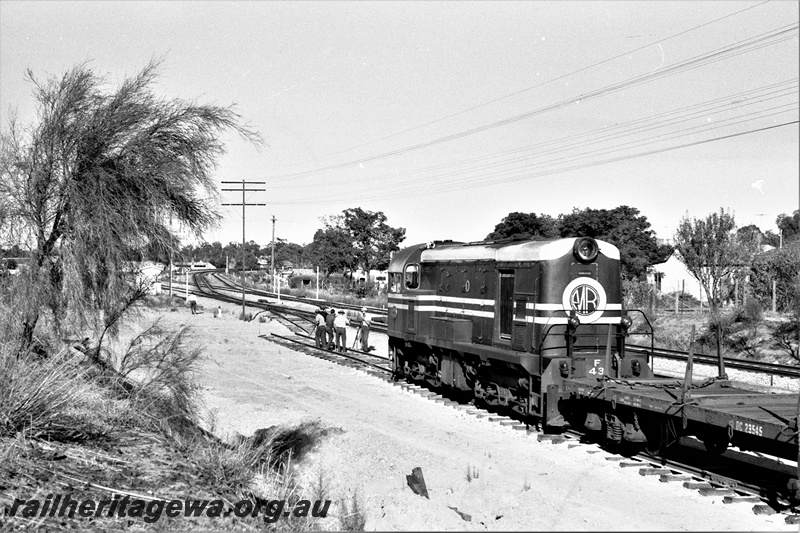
(340, 325)
(320, 333)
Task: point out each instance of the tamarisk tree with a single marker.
(96, 182)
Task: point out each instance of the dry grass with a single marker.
(45, 398)
(97, 425)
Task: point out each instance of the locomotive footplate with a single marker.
(746, 416)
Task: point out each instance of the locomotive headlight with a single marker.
(636, 367)
(585, 249)
(625, 322)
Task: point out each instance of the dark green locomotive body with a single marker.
(509, 321)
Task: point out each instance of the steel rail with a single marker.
(648, 461)
(336, 354)
(730, 362)
(302, 299)
(382, 358)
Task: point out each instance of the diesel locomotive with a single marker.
(539, 327)
(509, 321)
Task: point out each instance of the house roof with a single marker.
(302, 272)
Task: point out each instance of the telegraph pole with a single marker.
(170, 258)
(244, 204)
(272, 260)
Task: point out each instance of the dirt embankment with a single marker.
(501, 478)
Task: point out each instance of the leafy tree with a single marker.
(233, 251)
(213, 253)
(783, 267)
(332, 250)
(354, 239)
(750, 236)
(525, 226)
(711, 251)
(789, 225)
(372, 239)
(623, 227)
(96, 180)
(286, 253)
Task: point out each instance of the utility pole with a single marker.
(244, 204)
(170, 258)
(272, 259)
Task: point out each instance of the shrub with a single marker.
(44, 397)
(753, 312)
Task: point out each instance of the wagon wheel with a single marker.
(660, 433)
(715, 440)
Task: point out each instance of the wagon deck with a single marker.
(718, 403)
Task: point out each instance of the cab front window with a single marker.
(412, 277)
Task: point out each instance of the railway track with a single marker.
(730, 362)
(748, 365)
(735, 476)
(290, 298)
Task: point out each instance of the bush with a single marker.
(637, 294)
(155, 373)
(753, 312)
(44, 397)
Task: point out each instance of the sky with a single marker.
(448, 116)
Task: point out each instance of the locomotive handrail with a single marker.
(568, 345)
(651, 334)
(547, 331)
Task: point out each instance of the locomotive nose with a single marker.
(585, 249)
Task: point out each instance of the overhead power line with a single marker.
(660, 121)
(744, 46)
(527, 89)
(505, 178)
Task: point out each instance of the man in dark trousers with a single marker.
(340, 324)
(364, 331)
(320, 332)
(329, 318)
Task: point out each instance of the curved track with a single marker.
(735, 476)
(205, 288)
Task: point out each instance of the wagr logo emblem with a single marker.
(586, 297)
(584, 300)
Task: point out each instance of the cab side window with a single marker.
(395, 280)
(412, 277)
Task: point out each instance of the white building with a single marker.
(672, 276)
(148, 272)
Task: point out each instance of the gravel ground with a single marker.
(671, 367)
(381, 432)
